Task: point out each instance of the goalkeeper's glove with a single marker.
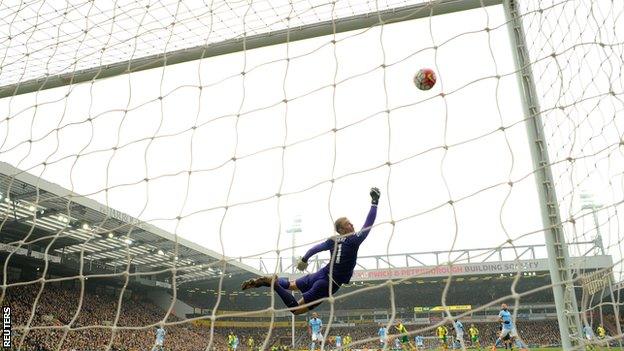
(374, 194)
(301, 264)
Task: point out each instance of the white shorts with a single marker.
(159, 342)
(460, 335)
(338, 344)
(508, 331)
(383, 340)
(317, 337)
(589, 337)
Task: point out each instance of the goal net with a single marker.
(156, 154)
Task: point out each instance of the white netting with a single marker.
(122, 195)
(580, 90)
(45, 38)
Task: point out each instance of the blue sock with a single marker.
(313, 346)
(286, 296)
(497, 343)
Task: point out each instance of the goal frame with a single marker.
(558, 256)
(345, 24)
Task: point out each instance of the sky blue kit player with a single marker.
(507, 327)
(315, 324)
(588, 332)
(383, 336)
(160, 339)
(505, 316)
(382, 332)
(160, 334)
(459, 330)
(420, 341)
(315, 286)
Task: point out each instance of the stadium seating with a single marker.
(57, 306)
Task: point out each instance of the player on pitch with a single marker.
(474, 336)
(344, 249)
(508, 329)
(160, 339)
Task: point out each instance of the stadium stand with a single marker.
(76, 314)
(58, 305)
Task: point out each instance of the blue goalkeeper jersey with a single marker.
(346, 250)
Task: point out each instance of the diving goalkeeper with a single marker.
(315, 286)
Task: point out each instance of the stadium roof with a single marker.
(68, 223)
(505, 259)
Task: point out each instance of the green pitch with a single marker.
(560, 349)
(548, 349)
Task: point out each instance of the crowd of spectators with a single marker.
(67, 319)
(62, 318)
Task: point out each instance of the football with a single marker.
(425, 79)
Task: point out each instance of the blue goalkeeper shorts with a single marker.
(315, 286)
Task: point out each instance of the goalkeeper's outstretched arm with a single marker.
(326, 245)
(343, 227)
(372, 215)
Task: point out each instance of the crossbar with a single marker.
(229, 46)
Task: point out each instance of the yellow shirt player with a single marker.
(442, 332)
(474, 335)
(250, 343)
(347, 341)
(404, 338)
(230, 340)
(602, 333)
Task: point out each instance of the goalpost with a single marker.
(559, 262)
(61, 59)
